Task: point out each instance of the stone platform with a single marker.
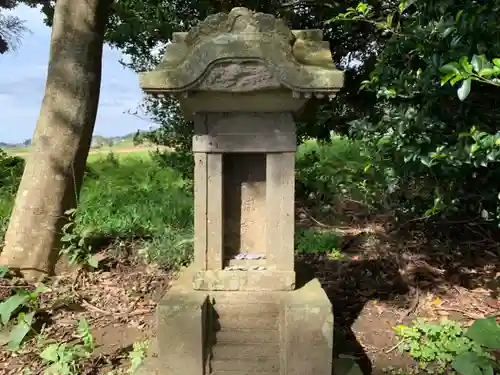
(242, 332)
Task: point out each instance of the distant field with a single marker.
(124, 148)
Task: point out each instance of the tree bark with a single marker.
(55, 166)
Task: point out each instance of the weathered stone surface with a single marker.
(266, 280)
(307, 331)
(238, 76)
(299, 60)
(206, 102)
(257, 193)
(244, 204)
(243, 77)
(182, 317)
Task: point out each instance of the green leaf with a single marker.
(464, 90)
(478, 62)
(405, 4)
(456, 79)
(487, 72)
(485, 332)
(3, 271)
(446, 78)
(465, 364)
(93, 261)
(4, 337)
(496, 62)
(10, 305)
(450, 68)
(362, 8)
(50, 353)
(470, 363)
(390, 18)
(465, 64)
(39, 290)
(448, 31)
(20, 331)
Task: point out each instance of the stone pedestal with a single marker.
(218, 332)
(243, 77)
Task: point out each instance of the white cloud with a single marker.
(22, 84)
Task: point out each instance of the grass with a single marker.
(130, 196)
(135, 196)
(139, 197)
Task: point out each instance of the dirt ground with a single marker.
(386, 278)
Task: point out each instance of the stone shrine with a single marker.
(242, 78)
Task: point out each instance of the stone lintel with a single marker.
(244, 132)
(272, 101)
(245, 143)
(264, 280)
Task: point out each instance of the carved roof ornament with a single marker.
(298, 60)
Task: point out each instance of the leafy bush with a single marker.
(486, 333)
(438, 347)
(341, 169)
(11, 170)
(442, 147)
(314, 241)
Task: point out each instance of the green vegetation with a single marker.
(446, 346)
(140, 197)
(417, 138)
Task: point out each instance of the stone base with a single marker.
(307, 331)
(265, 280)
(276, 333)
(181, 319)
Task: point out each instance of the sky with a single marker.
(22, 83)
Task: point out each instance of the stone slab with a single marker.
(258, 364)
(307, 332)
(245, 351)
(248, 336)
(266, 102)
(245, 143)
(243, 123)
(266, 280)
(182, 319)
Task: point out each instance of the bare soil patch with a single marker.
(386, 278)
(118, 301)
(392, 275)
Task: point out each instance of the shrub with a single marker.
(341, 169)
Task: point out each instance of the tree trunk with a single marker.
(55, 166)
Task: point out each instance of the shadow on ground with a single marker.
(386, 265)
(350, 284)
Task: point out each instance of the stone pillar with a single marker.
(280, 196)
